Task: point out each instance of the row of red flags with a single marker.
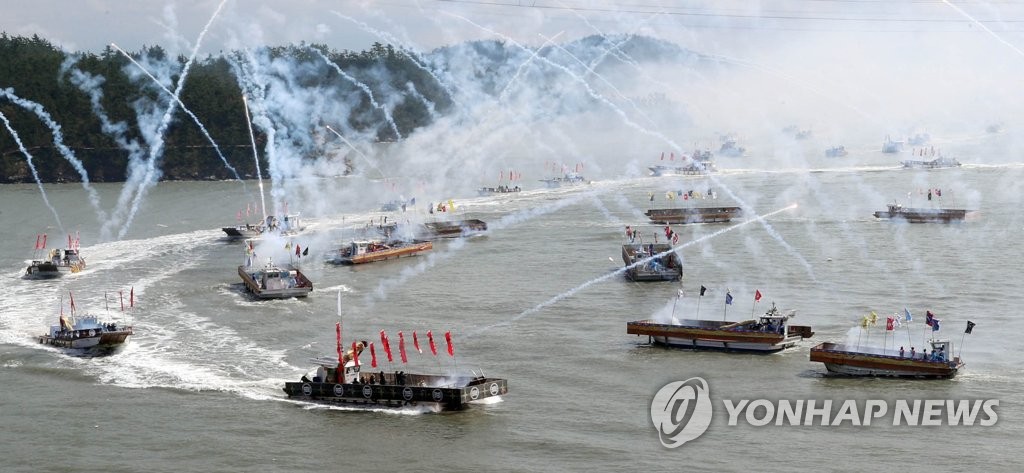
(386, 344)
(72, 243)
(131, 300)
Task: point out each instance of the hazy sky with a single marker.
(709, 25)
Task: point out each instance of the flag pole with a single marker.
(676, 301)
(698, 305)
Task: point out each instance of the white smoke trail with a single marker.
(622, 270)
(156, 148)
(58, 141)
(32, 167)
(405, 49)
(366, 90)
(185, 109)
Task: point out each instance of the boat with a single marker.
(668, 267)
(58, 262)
(86, 334)
(919, 139)
(870, 361)
(889, 146)
(568, 179)
(936, 163)
(836, 152)
(701, 162)
(455, 228)
(291, 225)
(731, 149)
(802, 134)
(435, 230)
(351, 387)
(369, 251)
(275, 282)
(502, 189)
(769, 333)
(398, 204)
(683, 215)
(896, 211)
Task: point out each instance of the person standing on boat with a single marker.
(901, 352)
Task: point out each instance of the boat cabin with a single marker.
(327, 371)
(277, 278)
(942, 350)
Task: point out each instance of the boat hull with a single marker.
(237, 233)
(454, 229)
(843, 360)
(927, 215)
(693, 215)
(104, 342)
(417, 391)
(382, 255)
(710, 335)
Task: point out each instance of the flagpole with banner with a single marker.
(702, 290)
(960, 349)
(676, 301)
(728, 302)
(928, 319)
(908, 318)
(757, 298)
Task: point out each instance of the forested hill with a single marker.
(33, 69)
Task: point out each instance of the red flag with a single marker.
(297, 252)
(416, 342)
(69, 240)
(355, 353)
(373, 356)
(757, 296)
(662, 155)
(337, 329)
(430, 338)
(672, 157)
(401, 347)
(238, 216)
(451, 348)
(131, 297)
(386, 345)
(44, 243)
(121, 293)
(889, 323)
(38, 238)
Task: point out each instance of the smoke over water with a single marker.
(456, 100)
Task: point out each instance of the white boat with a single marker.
(86, 334)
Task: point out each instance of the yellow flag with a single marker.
(451, 205)
(864, 322)
(670, 195)
(874, 318)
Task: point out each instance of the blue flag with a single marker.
(906, 311)
(935, 325)
(728, 298)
